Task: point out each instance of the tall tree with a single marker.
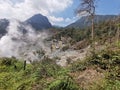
(87, 7)
(118, 28)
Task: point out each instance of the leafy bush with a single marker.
(63, 84)
(7, 61)
(46, 68)
(80, 66)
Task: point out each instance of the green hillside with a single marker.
(100, 70)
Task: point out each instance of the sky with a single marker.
(59, 12)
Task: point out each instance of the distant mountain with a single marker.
(84, 21)
(3, 26)
(39, 22)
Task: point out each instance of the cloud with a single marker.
(67, 21)
(24, 9)
(56, 19)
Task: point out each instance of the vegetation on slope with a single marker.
(100, 71)
(43, 75)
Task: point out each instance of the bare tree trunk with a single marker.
(117, 34)
(92, 33)
(110, 32)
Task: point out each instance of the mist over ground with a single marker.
(22, 41)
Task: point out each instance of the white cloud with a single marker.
(56, 19)
(65, 21)
(26, 8)
(70, 20)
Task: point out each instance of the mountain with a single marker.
(84, 21)
(39, 22)
(3, 26)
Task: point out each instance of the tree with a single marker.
(118, 28)
(87, 7)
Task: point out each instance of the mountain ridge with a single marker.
(84, 21)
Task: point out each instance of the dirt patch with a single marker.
(87, 78)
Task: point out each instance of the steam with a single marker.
(22, 41)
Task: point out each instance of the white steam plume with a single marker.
(21, 41)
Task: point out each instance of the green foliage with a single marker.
(66, 83)
(15, 78)
(75, 34)
(78, 66)
(117, 44)
(112, 85)
(106, 62)
(46, 68)
(7, 61)
(47, 75)
(10, 64)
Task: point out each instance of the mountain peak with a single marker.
(39, 15)
(38, 21)
(36, 17)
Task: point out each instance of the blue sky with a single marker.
(103, 7)
(70, 11)
(108, 7)
(59, 12)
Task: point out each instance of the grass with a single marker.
(65, 83)
(100, 71)
(13, 77)
(107, 63)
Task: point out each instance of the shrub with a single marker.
(46, 68)
(78, 67)
(66, 83)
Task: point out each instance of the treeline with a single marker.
(102, 30)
